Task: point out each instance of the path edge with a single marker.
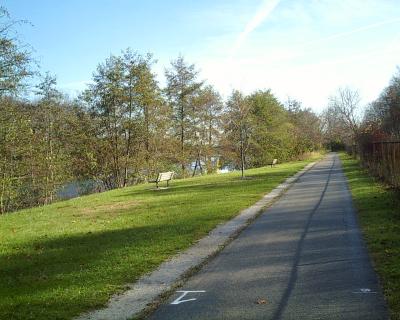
(150, 289)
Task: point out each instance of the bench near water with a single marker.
(163, 176)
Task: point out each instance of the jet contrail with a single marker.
(347, 33)
(262, 13)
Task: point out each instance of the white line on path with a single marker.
(184, 293)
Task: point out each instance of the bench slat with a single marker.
(164, 176)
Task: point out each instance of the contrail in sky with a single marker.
(347, 33)
(262, 13)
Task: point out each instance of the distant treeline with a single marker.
(124, 128)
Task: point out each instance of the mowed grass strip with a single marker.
(379, 214)
(59, 260)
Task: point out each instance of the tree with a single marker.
(207, 126)
(238, 127)
(85, 144)
(306, 128)
(383, 115)
(143, 98)
(15, 135)
(15, 67)
(271, 130)
(182, 84)
(49, 140)
(34, 158)
(15, 59)
(123, 101)
(344, 106)
(106, 100)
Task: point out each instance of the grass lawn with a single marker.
(59, 260)
(379, 215)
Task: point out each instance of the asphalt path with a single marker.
(303, 258)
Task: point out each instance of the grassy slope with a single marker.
(59, 260)
(379, 214)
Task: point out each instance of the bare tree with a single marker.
(345, 105)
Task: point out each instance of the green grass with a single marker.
(379, 215)
(59, 260)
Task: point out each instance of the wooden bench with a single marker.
(273, 163)
(163, 176)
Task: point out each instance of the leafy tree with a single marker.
(84, 143)
(15, 58)
(307, 128)
(238, 128)
(143, 97)
(271, 129)
(105, 98)
(123, 100)
(207, 126)
(15, 67)
(182, 85)
(49, 140)
(14, 150)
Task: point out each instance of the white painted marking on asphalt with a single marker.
(365, 291)
(184, 293)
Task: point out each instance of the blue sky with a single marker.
(304, 49)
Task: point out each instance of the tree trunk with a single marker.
(182, 142)
(128, 137)
(3, 189)
(242, 161)
(116, 147)
(147, 138)
(209, 153)
(197, 164)
(194, 170)
(51, 168)
(242, 153)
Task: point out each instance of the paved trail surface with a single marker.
(302, 259)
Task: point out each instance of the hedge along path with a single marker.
(147, 292)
